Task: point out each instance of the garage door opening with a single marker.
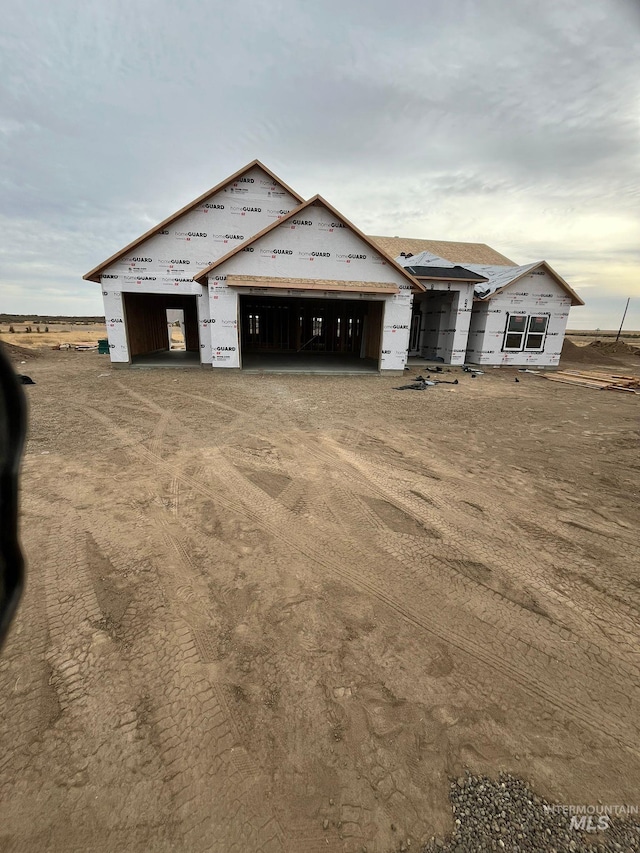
(281, 334)
(162, 331)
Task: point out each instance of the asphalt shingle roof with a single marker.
(455, 253)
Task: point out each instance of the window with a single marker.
(536, 333)
(525, 332)
(254, 324)
(516, 327)
(317, 326)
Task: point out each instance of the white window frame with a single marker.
(522, 334)
(543, 333)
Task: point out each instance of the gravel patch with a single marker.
(506, 815)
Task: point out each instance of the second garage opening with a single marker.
(306, 334)
(162, 330)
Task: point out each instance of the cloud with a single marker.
(514, 124)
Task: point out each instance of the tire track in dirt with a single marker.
(270, 515)
(168, 419)
(225, 407)
(450, 520)
(29, 703)
(73, 752)
(217, 799)
(372, 480)
(72, 611)
(557, 636)
(295, 497)
(331, 457)
(218, 796)
(174, 491)
(155, 444)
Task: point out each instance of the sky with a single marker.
(515, 124)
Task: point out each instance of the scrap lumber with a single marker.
(596, 379)
(596, 374)
(571, 380)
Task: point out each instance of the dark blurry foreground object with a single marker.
(13, 423)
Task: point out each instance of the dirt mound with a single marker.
(15, 352)
(584, 354)
(614, 347)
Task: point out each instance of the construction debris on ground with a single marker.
(595, 379)
(421, 384)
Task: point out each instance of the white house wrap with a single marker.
(256, 274)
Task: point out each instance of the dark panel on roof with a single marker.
(446, 273)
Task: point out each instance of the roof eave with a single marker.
(443, 278)
(268, 283)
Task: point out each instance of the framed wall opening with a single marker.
(176, 330)
(433, 313)
(154, 338)
(298, 333)
(415, 330)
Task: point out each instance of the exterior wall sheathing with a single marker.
(535, 294)
(167, 261)
(315, 246)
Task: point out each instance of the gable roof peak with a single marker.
(295, 212)
(501, 276)
(94, 274)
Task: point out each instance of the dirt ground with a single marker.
(278, 613)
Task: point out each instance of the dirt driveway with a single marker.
(277, 613)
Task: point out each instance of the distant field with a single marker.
(585, 336)
(47, 319)
(59, 333)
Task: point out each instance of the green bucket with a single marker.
(103, 346)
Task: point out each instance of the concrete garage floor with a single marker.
(164, 358)
(279, 613)
(268, 362)
(307, 363)
(418, 362)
